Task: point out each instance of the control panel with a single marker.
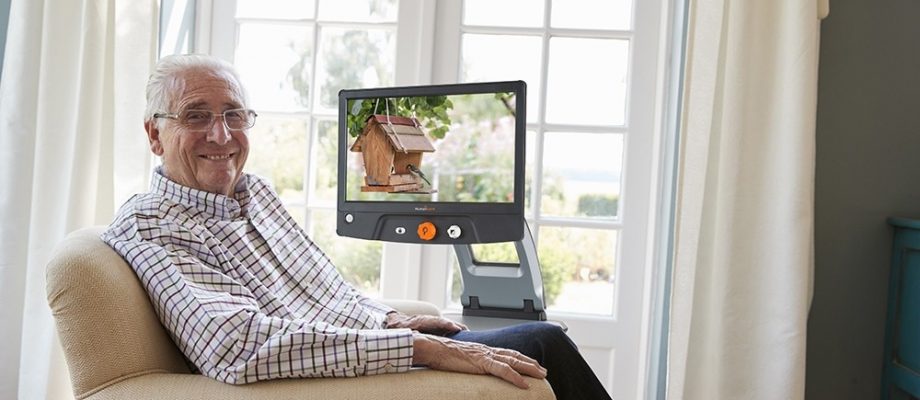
(439, 229)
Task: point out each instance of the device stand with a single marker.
(503, 290)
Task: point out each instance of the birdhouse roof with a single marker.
(404, 134)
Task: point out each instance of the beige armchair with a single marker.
(117, 349)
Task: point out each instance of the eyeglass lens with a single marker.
(202, 120)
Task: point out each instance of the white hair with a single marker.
(167, 81)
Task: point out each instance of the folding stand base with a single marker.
(503, 290)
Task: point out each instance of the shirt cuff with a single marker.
(388, 350)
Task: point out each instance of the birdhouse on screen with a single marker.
(392, 149)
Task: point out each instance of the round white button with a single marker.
(400, 230)
(454, 231)
(349, 218)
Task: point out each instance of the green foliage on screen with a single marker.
(431, 112)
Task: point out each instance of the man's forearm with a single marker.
(255, 347)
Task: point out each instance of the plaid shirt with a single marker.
(243, 291)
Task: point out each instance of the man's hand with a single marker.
(473, 358)
(424, 323)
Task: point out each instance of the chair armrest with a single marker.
(412, 307)
(419, 383)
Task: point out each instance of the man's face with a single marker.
(211, 161)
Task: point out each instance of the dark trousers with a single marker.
(566, 370)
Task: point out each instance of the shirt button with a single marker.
(389, 367)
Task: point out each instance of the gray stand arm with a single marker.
(504, 290)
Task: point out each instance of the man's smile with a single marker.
(217, 157)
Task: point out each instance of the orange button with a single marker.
(426, 230)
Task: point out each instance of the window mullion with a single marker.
(537, 181)
(311, 123)
(316, 55)
(446, 54)
(400, 271)
(309, 171)
(414, 42)
(221, 17)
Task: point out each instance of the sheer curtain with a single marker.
(744, 261)
(71, 109)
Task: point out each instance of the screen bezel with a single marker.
(437, 207)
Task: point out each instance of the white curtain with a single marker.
(743, 250)
(71, 110)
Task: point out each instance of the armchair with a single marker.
(116, 347)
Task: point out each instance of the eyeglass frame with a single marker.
(214, 116)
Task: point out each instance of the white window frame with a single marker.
(639, 192)
(416, 272)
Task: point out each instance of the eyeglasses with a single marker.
(203, 120)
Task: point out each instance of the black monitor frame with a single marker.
(479, 222)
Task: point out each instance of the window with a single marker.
(576, 118)
(294, 57)
(594, 71)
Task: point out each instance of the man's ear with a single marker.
(153, 135)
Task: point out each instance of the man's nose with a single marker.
(219, 133)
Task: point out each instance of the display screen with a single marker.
(455, 148)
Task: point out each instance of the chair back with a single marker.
(106, 324)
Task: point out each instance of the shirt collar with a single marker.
(215, 205)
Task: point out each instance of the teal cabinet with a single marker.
(901, 369)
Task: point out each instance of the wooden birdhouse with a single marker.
(392, 148)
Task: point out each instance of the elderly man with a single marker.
(247, 296)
